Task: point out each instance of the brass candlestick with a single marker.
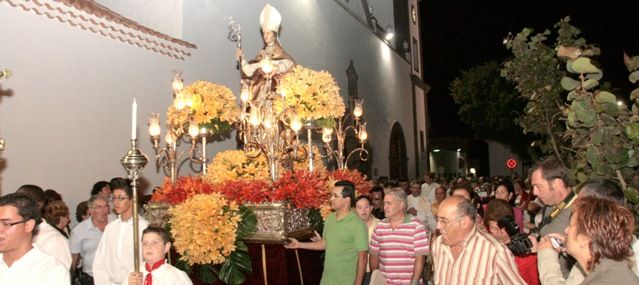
(134, 161)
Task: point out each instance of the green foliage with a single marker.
(237, 266)
(599, 137)
(533, 70)
(489, 104)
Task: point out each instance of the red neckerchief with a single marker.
(148, 280)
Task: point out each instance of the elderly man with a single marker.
(86, 236)
(48, 239)
(462, 254)
(22, 262)
(345, 239)
(399, 243)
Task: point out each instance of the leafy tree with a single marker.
(489, 104)
(599, 138)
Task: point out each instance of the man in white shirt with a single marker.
(420, 208)
(21, 262)
(86, 236)
(114, 257)
(428, 188)
(48, 239)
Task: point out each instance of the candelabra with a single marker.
(263, 130)
(340, 131)
(134, 161)
(168, 157)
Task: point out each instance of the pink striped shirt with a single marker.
(398, 247)
(484, 260)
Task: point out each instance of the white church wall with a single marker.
(67, 123)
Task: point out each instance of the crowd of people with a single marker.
(489, 231)
(37, 247)
(542, 230)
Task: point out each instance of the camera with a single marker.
(519, 243)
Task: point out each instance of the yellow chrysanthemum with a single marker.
(310, 94)
(204, 227)
(235, 165)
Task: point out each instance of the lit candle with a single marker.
(134, 115)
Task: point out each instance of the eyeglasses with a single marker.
(7, 224)
(119, 198)
(445, 222)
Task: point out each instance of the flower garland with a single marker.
(213, 107)
(233, 165)
(362, 186)
(310, 94)
(204, 228)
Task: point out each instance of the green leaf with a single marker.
(593, 157)
(569, 67)
(237, 266)
(633, 77)
(584, 112)
(583, 65)
(598, 136)
(632, 131)
(633, 158)
(595, 76)
(606, 97)
(634, 95)
(590, 83)
(248, 223)
(631, 195)
(207, 273)
(569, 84)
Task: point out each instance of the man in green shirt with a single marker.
(345, 239)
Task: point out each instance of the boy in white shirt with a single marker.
(156, 243)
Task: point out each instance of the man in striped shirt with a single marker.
(399, 243)
(463, 254)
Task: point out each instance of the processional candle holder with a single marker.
(134, 161)
(359, 130)
(168, 157)
(5, 73)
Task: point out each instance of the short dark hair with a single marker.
(603, 189)
(465, 186)
(378, 189)
(552, 168)
(348, 190)
(163, 233)
(52, 195)
(122, 184)
(364, 197)
(35, 192)
(97, 187)
(81, 210)
(27, 207)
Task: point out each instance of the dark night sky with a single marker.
(457, 35)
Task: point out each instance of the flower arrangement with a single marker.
(204, 227)
(310, 94)
(234, 165)
(304, 189)
(212, 106)
(184, 188)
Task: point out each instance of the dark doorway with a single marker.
(397, 158)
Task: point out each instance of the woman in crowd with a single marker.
(56, 213)
(504, 191)
(599, 237)
(364, 210)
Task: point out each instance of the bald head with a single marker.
(462, 206)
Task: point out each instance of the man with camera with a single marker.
(552, 183)
(500, 222)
